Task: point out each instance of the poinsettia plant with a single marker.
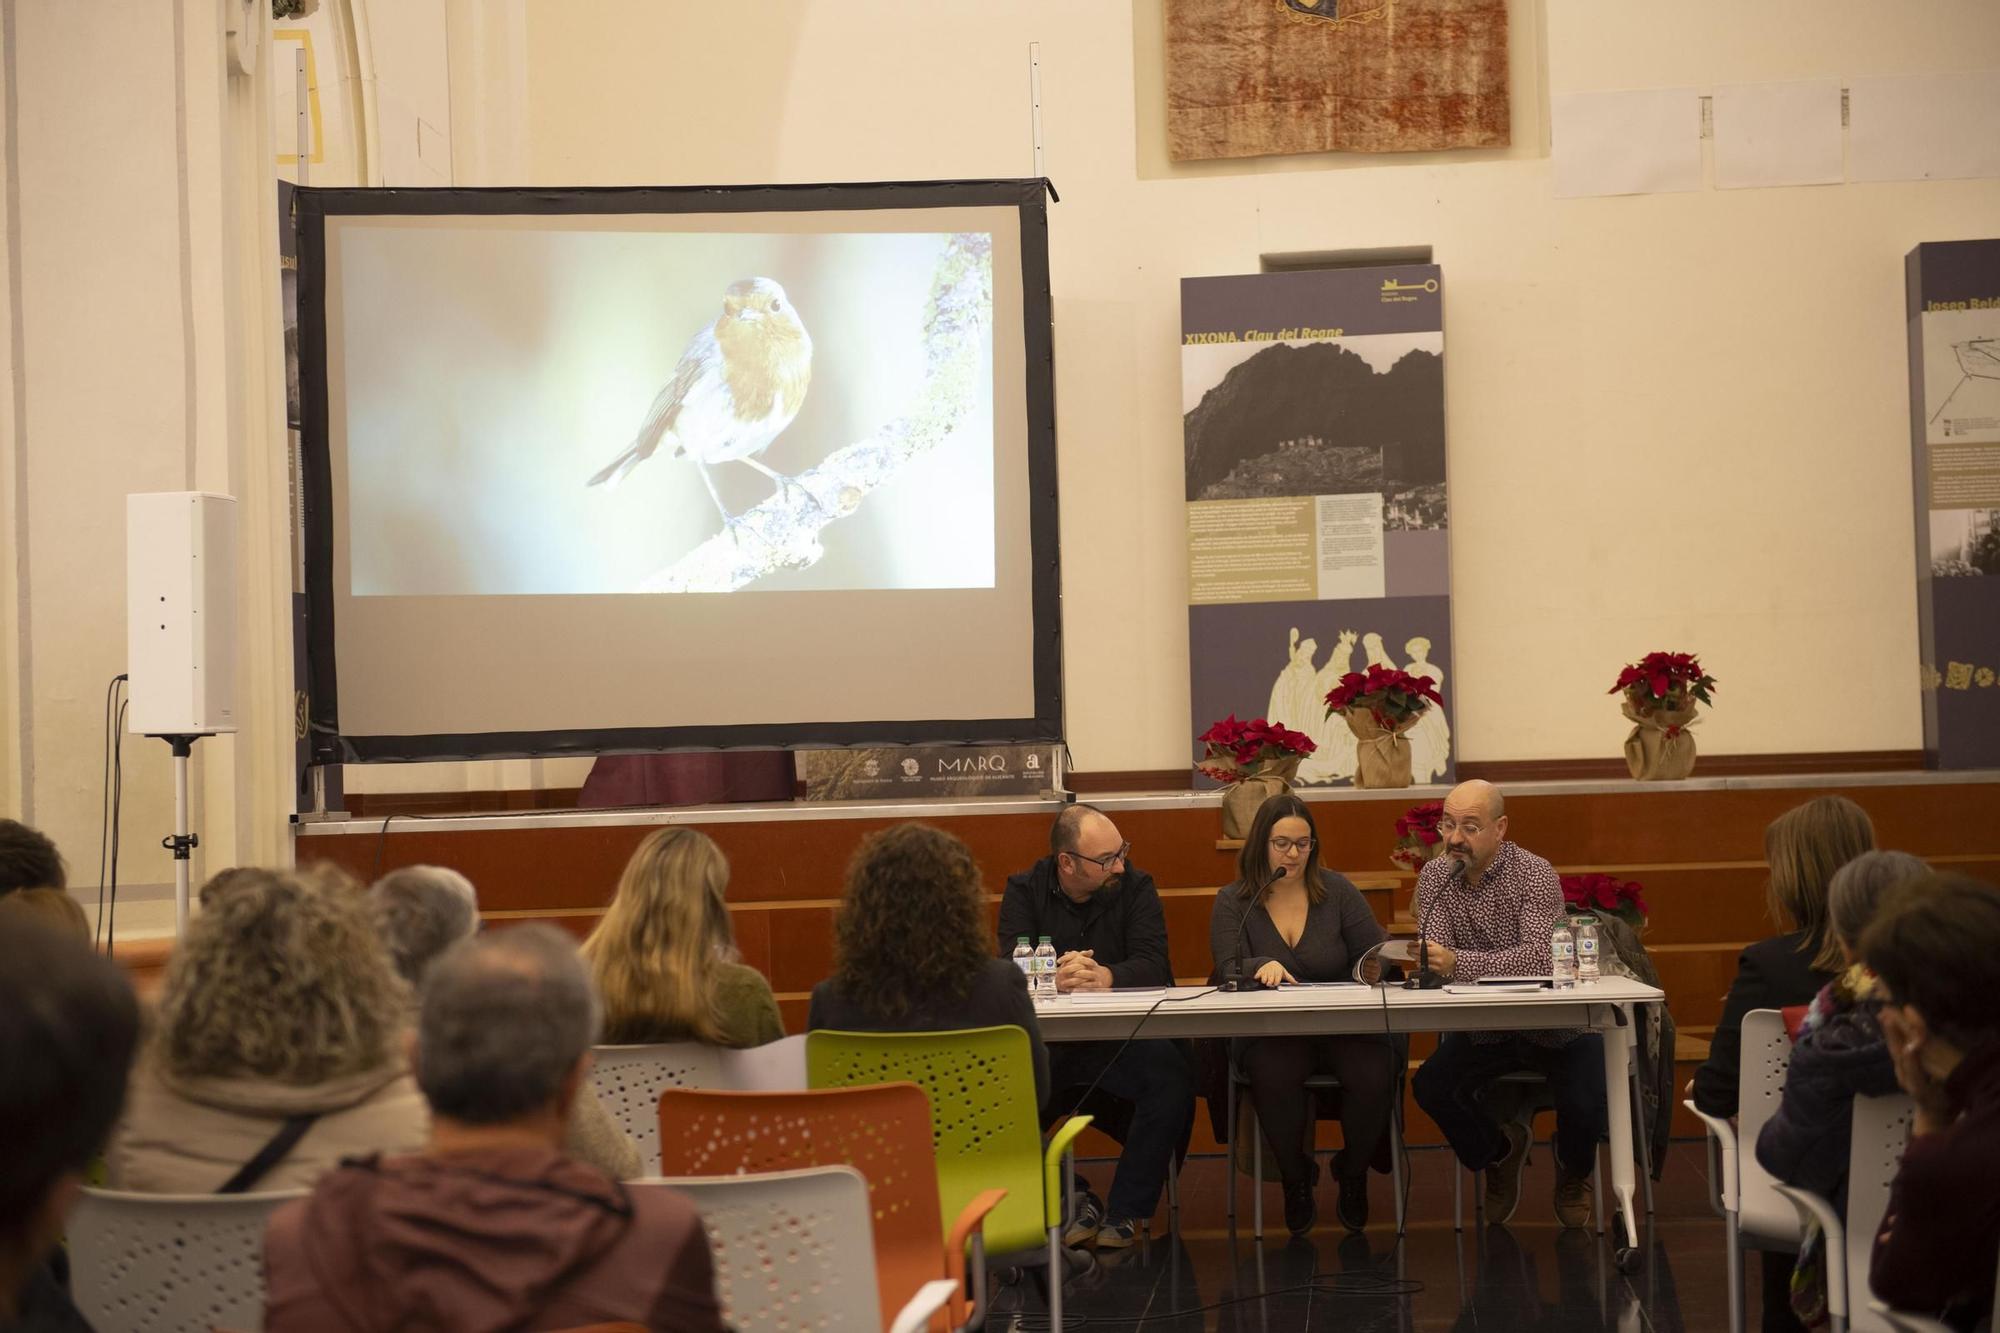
(1238, 748)
(1622, 898)
(1417, 836)
(1392, 695)
(1664, 681)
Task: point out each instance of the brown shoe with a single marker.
(1503, 1178)
(1575, 1196)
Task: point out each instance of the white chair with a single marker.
(162, 1263)
(795, 1250)
(1755, 1215)
(1875, 1149)
(776, 1066)
(1907, 1323)
(628, 1080)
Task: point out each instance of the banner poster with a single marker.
(1953, 310)
(906, 772)
(1317, 516)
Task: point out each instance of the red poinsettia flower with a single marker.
(1662, 677)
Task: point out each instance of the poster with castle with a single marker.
(1318, 519)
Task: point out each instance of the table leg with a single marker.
(1618, 1110)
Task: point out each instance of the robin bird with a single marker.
(737, 386)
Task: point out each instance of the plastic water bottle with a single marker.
(1024, 958)
(1562, 956)
(1044, 977)
(1586, 951)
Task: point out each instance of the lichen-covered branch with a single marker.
(783, 532)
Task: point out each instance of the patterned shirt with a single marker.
(1498, 927)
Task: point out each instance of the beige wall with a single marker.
(1674, 421)
(141, 218)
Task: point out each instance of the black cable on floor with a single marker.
(117, 810)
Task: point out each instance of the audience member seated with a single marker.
(278, 1046)
(1936, 949)
(423, 910)
(1803, 847)
(491, 1226)
(1285, 918)
(28, 860)
(1489, 907)
(68, 1028)
(1103, 916)
(664, 958)
(911, 952)
(51, 907)
(1839, 1055)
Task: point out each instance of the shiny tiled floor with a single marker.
(1529, 1275)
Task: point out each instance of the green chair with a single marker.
(984, 1120)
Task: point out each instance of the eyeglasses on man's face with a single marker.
(1471, 828)
(1286, 846)
(1106, 861)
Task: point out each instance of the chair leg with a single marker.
(1254, 1130)
(1732, 1237)
(1597, 1189)
(1457, 1190)
(1229, 1155)
(1396, 1163)
(1056, 1276)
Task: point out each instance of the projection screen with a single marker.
(627, 470)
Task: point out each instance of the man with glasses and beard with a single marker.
(1103, 916)
(1495, 920)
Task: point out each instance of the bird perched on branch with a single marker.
(737, 386)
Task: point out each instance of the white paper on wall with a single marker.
(1924, 127)
(1640, 141)
(1769, 134)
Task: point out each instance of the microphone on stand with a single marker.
(1427, 977)
(1232, 970)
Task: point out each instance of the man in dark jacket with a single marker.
(491, 1227)
(1103, 916)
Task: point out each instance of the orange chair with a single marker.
(883, 1131)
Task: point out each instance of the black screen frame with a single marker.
(329, 744)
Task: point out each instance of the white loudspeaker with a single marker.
(180, 613)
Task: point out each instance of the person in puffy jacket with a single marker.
(1839, 1055)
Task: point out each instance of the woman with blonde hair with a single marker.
(277, 1047)
(664, 957)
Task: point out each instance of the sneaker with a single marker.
(1118, 1234)
(1353, 1204)
(1503, 1178)
(1575, 1196)
(1086, 1219)
(1301, 1211)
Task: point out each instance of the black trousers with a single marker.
(1277, 1068)
(1159, 1082)
(1449, 1083)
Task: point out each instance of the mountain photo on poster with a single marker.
(1325, 417)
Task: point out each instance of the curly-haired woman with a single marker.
(912, 950)
(278, 1042)
(664, 957)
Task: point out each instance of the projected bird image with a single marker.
(738, 384)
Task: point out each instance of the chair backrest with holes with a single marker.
(1766, 1054)
(1874, 1154)
(985, 1124)
(884, 1132)
(777, 1066)
(628, 1080)
(792, 1248)
(158, 1263)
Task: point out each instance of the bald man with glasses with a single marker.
(1103, 916)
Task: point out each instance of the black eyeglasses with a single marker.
(1284, 846)
(1104, 862)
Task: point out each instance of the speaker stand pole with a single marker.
(183, 841)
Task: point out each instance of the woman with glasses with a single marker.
(1286, 919)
